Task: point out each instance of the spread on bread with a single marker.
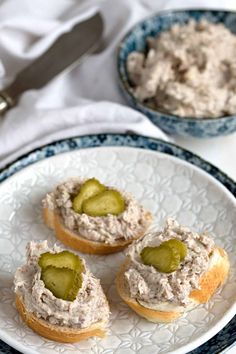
(154, 277)
(58, 290)
(98, 216)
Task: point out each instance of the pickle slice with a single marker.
(88, 189)
(107, 202)
(178, 245)
(71, 296)
(64, 259)
(164, 258)
(64, 283)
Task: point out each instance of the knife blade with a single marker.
(67, 50)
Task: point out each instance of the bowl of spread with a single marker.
(179, 69)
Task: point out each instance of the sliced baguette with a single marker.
(80, 243)
(209, 282)
(55, 332)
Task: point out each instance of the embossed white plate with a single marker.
(167, 186)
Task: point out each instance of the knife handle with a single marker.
(6, 102)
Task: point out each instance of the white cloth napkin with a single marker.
(87, 99)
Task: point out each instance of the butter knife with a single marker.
(65, 52)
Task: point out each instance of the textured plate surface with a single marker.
(165, 184)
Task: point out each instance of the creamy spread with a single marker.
(109, 229)
(167, 291)
(89, 307)
(189, 71)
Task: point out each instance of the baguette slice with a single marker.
(209, 282)
(80, 243)
(58, 333)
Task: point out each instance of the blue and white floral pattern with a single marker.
(226, 336)
(116, 140)
(135, 40)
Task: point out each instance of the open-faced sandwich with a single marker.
(93, 218)
(58, 297)
(169, 272)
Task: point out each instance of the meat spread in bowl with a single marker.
(188, 71)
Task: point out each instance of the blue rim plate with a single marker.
(227, 335)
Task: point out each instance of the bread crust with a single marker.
(209, 282)
(212, 279)
(80, 243)
(58, 333)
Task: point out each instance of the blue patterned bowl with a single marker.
(135, 40)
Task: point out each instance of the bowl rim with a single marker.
(124, 82)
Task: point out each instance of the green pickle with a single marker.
(178, 245)
(64, 259)
(107, 202)
(61, 273)
(64, 283)
(164, 258)
(88, 189)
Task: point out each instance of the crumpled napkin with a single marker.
(60, 109)
(87, 99)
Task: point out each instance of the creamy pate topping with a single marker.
(89, 307)
(108, 229)
(150, 286)
(189, 70)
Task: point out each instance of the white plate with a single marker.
(168, 187)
